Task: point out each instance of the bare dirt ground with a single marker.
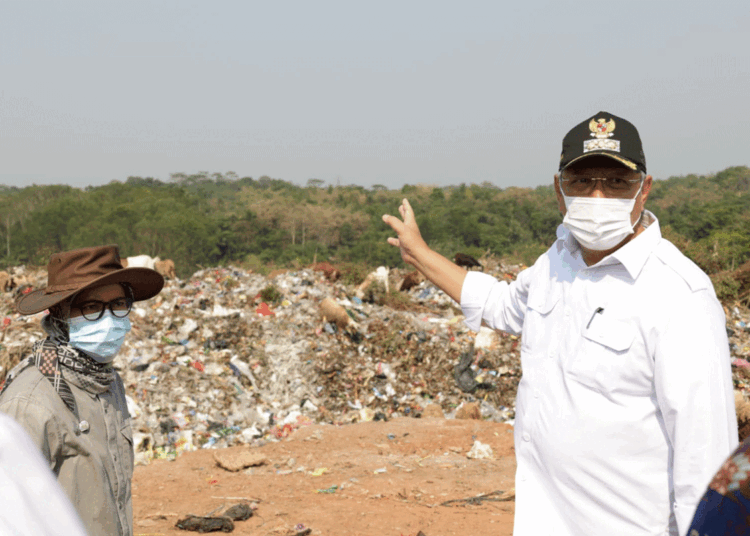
(393, 478)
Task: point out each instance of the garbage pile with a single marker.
(232, 357)
(738, 331)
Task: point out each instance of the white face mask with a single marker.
(101, 339)
(599, 223)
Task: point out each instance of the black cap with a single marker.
(604, 134)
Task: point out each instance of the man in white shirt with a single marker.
(625, 409)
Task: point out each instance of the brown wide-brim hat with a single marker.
(70, 272)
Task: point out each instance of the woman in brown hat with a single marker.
(68, 396)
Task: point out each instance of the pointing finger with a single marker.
(406, 211)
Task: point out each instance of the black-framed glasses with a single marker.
(94, 310)
(614, 186)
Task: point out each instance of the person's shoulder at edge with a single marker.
(725, 504)
(27, 478)
(695, 278)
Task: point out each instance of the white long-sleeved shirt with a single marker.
(31, 500)
(625, 408)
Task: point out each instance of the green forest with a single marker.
(217, 219)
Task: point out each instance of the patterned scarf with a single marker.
(79, 369)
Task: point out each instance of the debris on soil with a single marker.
(495, 496)
(236, 460)
(479, 451)
(205, 524)
(238, 512)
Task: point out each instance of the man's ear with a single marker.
(647, 183)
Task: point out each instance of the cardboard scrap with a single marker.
(237, 459)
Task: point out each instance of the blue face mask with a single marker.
(101, 339)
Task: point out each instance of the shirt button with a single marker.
(536, 393)
(567, 311)
(526, 436)
(551, 354)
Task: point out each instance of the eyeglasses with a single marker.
(577, 185)
(94, 310)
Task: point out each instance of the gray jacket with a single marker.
(92, 455)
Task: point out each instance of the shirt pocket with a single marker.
(536, 325)
(602, 358)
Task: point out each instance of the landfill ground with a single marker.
(375, 479)
(328, 403)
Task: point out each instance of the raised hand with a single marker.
(409, 239)
(415, 251)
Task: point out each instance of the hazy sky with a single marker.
(364, 93)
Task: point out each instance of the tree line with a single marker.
(216, 219)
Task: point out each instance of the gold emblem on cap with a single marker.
(601, 128)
